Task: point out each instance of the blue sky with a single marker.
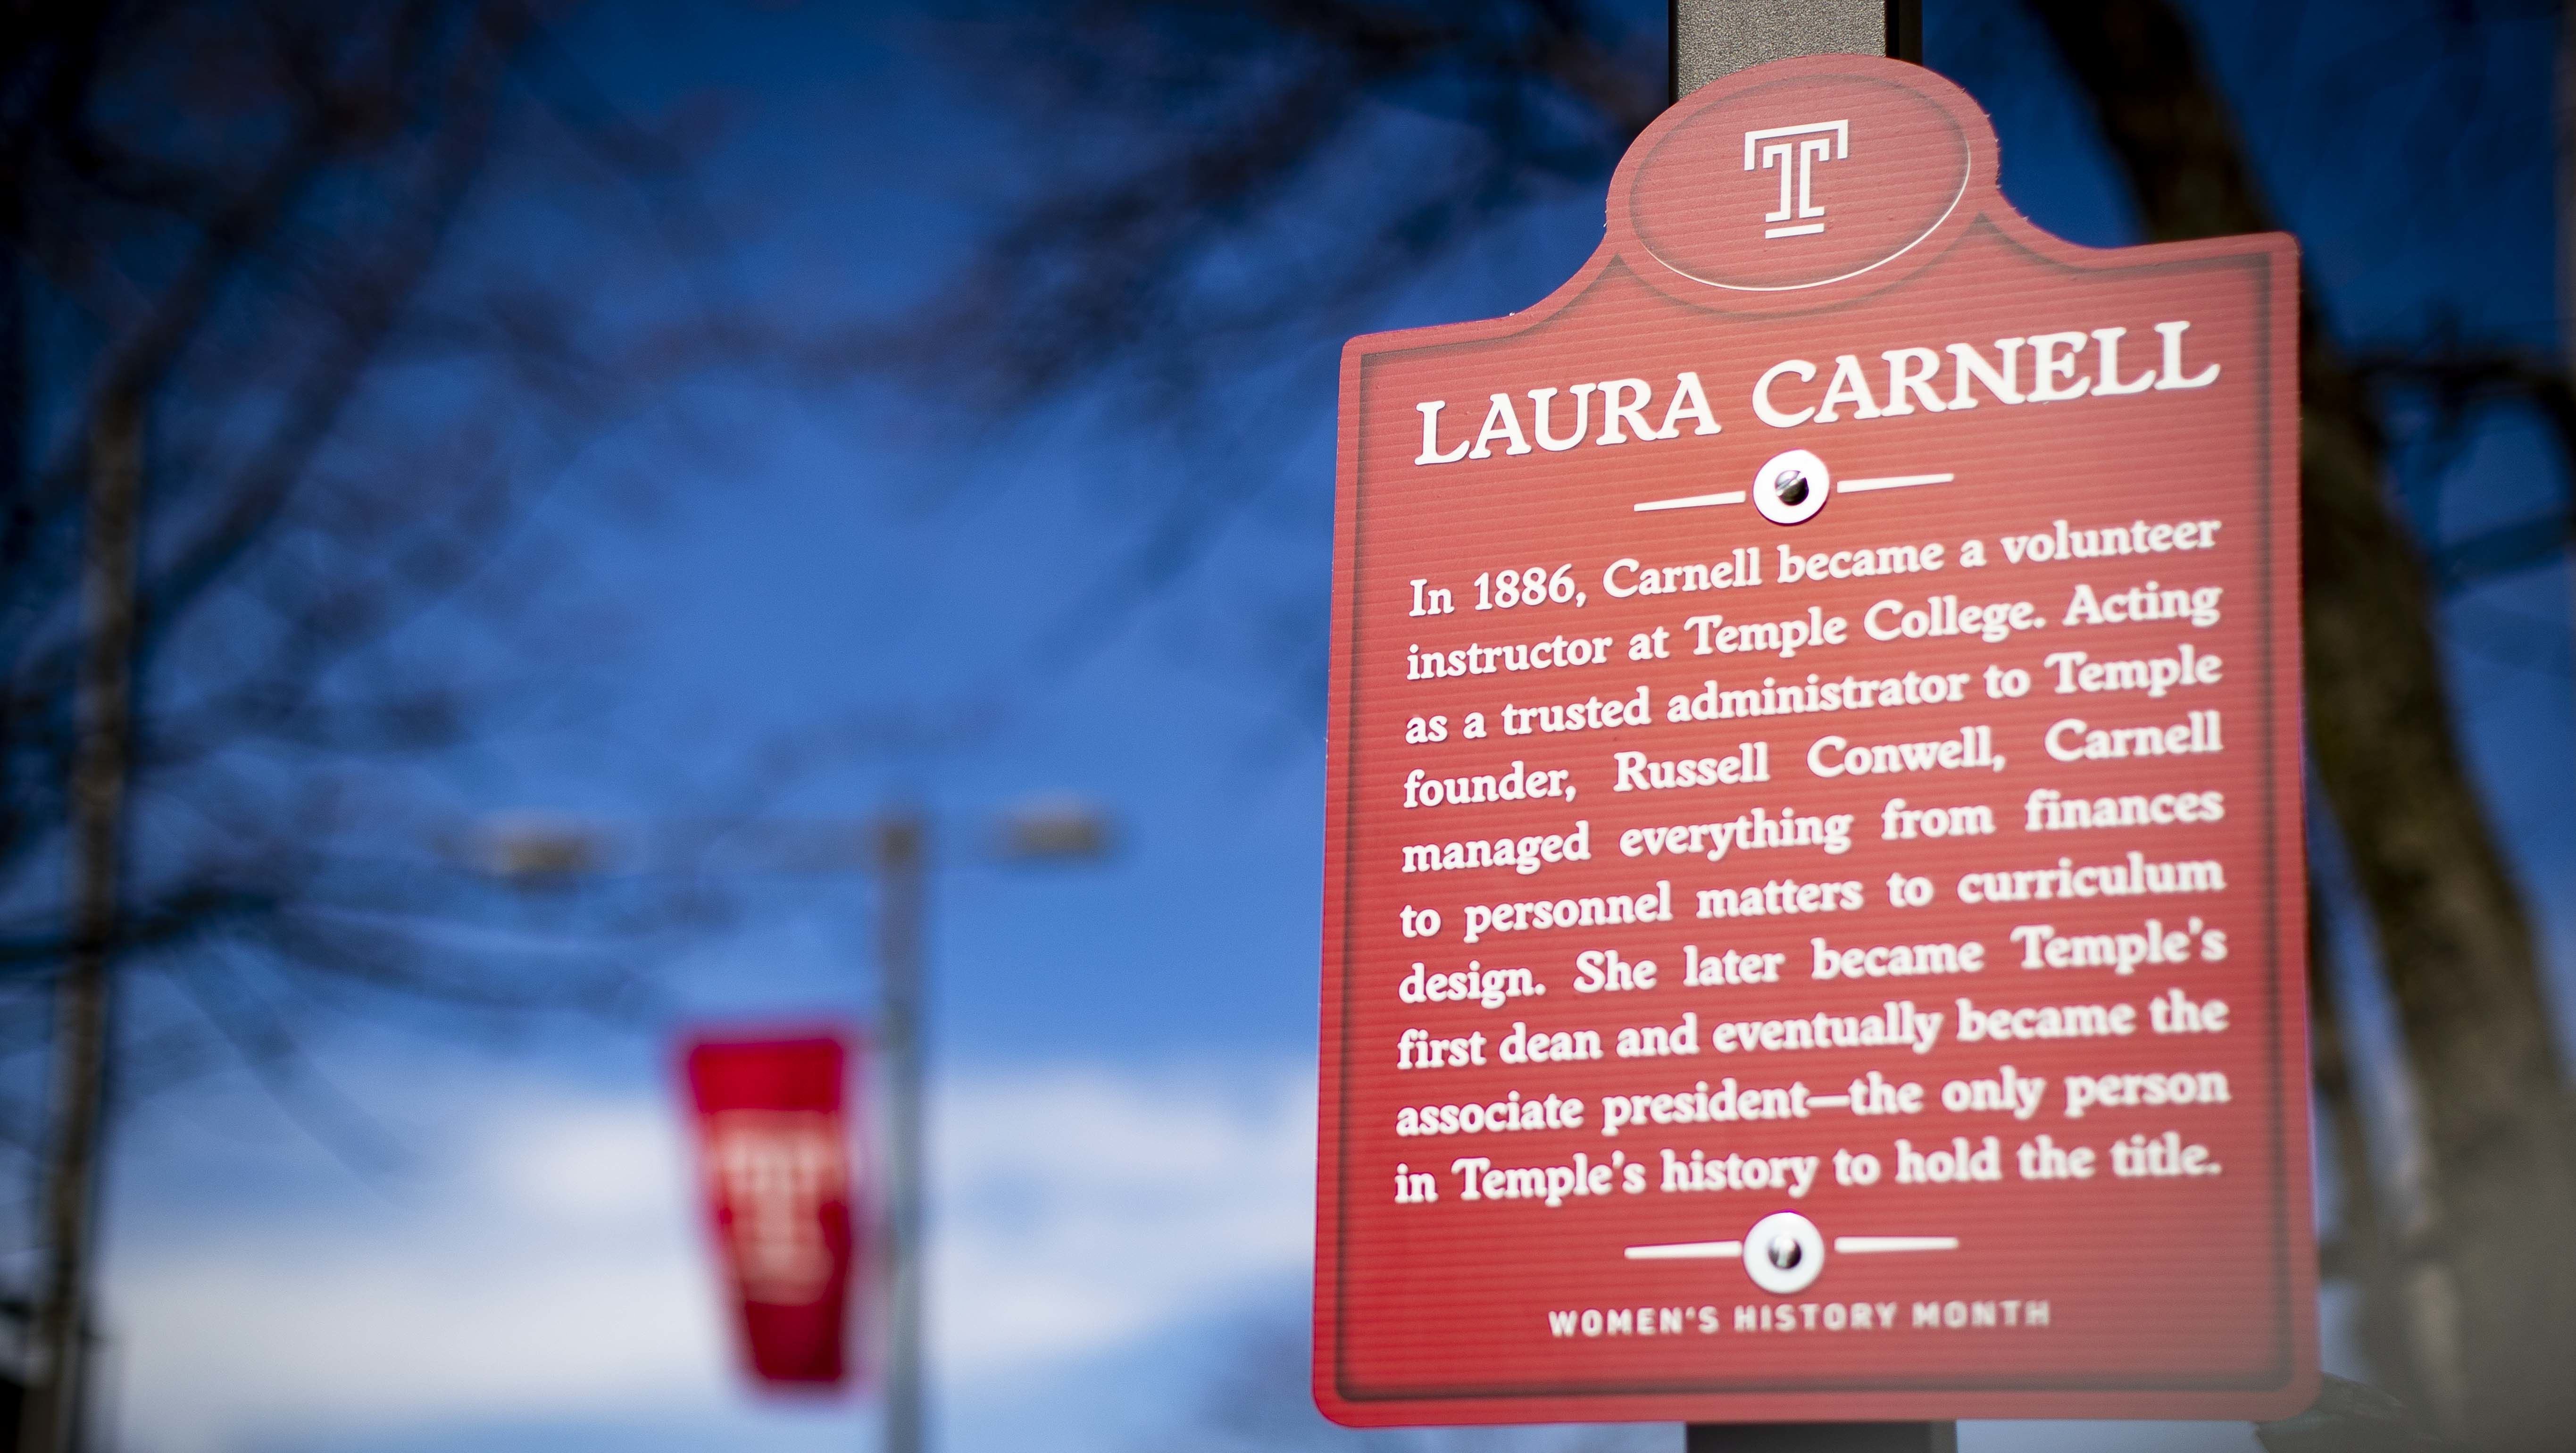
(1123, 1051)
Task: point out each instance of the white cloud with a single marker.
(547, 1265)
(1088, 1207)
(555, 1267)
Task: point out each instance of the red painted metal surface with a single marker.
(1867, 679)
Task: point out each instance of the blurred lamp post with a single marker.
(543, 850)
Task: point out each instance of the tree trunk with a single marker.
(2566, 127)
(2452, 932)
(2376, 1243)
(51, 1415)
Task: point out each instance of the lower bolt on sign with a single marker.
(1814, 898)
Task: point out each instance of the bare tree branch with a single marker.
(2454, 938)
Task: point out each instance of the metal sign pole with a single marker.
(1713, 38)
(902, 868)
(1820, 1438)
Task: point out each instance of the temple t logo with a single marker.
(1772, 149)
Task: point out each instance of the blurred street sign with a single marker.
(773, 1136)
(1814, 896)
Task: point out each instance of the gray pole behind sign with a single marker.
(1713, 38)
(902, 873)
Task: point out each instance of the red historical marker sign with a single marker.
(1814, 911)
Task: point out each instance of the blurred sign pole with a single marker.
(550, 849)
(51, 1419)
(1714, 38)
(902, 847)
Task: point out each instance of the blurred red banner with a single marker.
(773, 1150)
